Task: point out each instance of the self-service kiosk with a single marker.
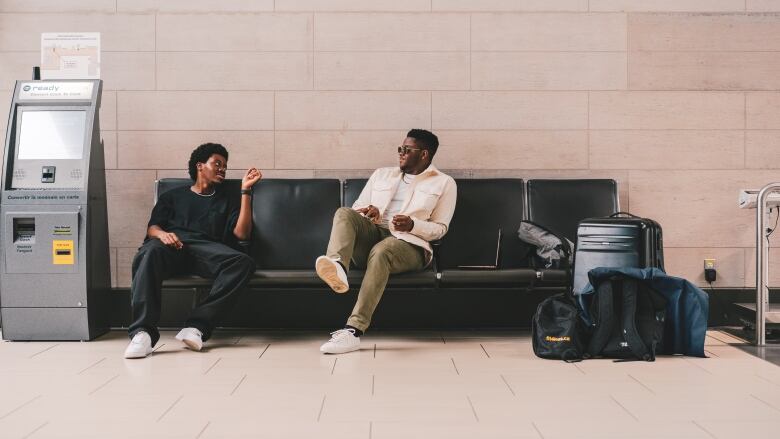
(54, 259)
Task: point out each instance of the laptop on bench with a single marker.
(487, 267)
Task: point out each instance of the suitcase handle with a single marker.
(617, 214)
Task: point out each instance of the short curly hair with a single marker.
(425, 139)
(201, 154)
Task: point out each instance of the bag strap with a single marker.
(605, 318)
(618, 214)
(571, 356)
(630, 332)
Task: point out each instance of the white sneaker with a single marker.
(332, 273)
(341, 341)
(192, 337)
(140, 346)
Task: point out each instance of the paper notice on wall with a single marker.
(70, 55)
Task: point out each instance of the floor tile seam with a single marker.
(169, 408)
(212, 366)
(203, 430)
(455, 365)
(687, 360)
(507, 384)
(238, 385)
(473, 409)
(727, 343)
(766, 379)
(623, 407)
(538, 431)
(38, 428)
(641, 383)
(701, 427)
(45, 350)
(92, 365)
(322, 407)
(19, 407)
(103, 385)
(264, 350)
(768, 404)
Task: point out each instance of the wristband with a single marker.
(246, 191)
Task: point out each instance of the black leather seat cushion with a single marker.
(505, 277)
(552, 277)
(561, 204)
(292, 221)
(309, 279)
(187, 281)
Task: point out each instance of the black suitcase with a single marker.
(620, 240)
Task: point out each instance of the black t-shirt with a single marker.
(188, 214)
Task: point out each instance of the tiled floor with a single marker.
(400, 385)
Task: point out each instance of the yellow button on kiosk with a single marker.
(62, 252)
(54, 258)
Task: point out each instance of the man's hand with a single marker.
(370, 212)
(252, 176)
(402, 223)
(170, 239)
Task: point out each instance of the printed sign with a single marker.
(70, 55)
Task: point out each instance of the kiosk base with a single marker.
(56, 324)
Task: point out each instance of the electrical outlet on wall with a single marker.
(709, 270)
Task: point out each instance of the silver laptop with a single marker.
(487, 267)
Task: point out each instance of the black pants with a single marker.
(229, 268)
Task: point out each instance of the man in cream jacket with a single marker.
(387, 231)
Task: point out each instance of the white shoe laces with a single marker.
(341, 334)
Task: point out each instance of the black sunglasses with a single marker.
(403, 150)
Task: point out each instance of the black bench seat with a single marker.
(292, 219)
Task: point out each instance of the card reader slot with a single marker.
(24, 230)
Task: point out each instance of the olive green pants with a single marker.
(371, 247)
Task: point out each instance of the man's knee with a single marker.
(153, 249)
(393, 253)
(382, 251)
(246, 263)
(345, 213)
(238, 263)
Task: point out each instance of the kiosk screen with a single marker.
(52, 135)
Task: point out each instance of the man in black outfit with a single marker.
(193, 229)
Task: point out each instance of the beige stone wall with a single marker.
(676, 99)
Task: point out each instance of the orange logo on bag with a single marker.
(558, 339)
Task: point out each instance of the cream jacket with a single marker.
(430, 205)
